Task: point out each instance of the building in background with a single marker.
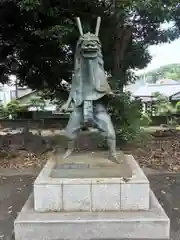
(166, 87)
(10, 92)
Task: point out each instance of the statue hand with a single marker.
(64, 107)
(112, 94)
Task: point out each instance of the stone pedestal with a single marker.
(89, 197)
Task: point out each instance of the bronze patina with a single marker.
(88, 89)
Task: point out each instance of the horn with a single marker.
(98, 23)
(79, 26)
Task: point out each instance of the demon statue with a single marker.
(88, 89)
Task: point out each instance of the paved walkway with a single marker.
(14, 191)
(167, 189)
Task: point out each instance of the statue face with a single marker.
(90, 45)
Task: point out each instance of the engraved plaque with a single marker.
(73, 166)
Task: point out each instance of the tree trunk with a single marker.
(122, 38)
(122, 41)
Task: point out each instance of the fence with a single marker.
(158, 120)
(47, 123)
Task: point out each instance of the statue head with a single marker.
(89, 66)
(89, 43)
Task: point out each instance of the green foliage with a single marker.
(54, 96)
(29, 4)
(164, 107)
(37, 102)
(3, 111)
(38, 37)
(143, 137)
(126, 116)
(13, 107)
(145, 120)
(170, 71)
(177, 107)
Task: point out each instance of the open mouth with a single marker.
(89, 49)
(88, 54)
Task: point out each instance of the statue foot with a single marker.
(70, 149)
(113, 158)
(68, 153)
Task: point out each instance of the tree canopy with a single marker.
(38, 37)
(170, 71)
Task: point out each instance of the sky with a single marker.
(163, 54)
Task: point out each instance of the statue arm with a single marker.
(69, 99)
(65, 106)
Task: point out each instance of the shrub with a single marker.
(126, 116)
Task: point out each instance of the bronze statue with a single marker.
(89, 86)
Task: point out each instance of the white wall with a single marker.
(5, 94)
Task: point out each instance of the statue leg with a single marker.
(104, 124)
(72, 129)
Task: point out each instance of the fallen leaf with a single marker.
(163, 192)
(175, 209)
(19, 189)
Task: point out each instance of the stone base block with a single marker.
(100, 187)
(152, 224)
